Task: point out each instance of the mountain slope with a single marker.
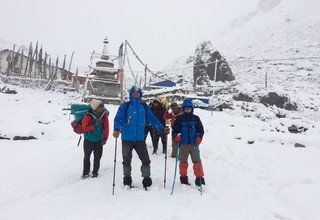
(268, 51)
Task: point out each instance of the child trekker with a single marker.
(188, 132)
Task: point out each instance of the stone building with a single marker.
(17, 64)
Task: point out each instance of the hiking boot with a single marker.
(94, 175)
(164, 151)
(184, 180)
(146, 182)
(84, 176)
(127, 180)
(197, 182)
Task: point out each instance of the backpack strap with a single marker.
(90, 114)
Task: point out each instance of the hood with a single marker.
(133, 88)
(187, 103)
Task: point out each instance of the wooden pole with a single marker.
(145, 76)
(63, 73)
(122, 73)
(28, 59)
(35, 60)
(71, 61)
(215, 70)
(21, 62)
(77, 81)
(266, 79)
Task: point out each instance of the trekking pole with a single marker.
(79, 140)
(175, 168)
(199, 172)
(114, 166)
(165, 169)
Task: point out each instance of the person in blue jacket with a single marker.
(188, 131)
(130, 121)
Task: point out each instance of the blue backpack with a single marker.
(78, 111)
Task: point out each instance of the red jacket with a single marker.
(171, 116)
(88, 126)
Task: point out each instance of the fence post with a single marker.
(215, 70)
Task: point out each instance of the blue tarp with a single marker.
(165, 83)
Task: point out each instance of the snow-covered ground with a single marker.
(40, 179)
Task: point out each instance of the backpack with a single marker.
(77, 127)
(79, 110)
(77, 123)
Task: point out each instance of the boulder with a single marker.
(204, 65)
(299, 145)
(280, 101)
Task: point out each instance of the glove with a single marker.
(198, 140)
(104, 141)
(116, 133)
(177, 138)
(166, 130)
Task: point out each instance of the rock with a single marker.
(17, 138)
(299, 145)
(7, 91)
(204, 74)
(45, 123)
(280, 101)
(4, 138)
(224, 106)
(280, 115)
(242, 97)
(250, 142)
(293, 129)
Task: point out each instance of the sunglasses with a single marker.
(187, 108)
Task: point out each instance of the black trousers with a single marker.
(88, 147)
(140, 147)
(155, 135)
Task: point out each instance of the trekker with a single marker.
(188, 132)
(130, 120)
(175, 111)
(158, 110)
(95, 125)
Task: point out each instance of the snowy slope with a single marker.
(269, 179)
(278, 29)
(255, 47)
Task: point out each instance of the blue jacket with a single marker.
(188, 125)
(132, 122)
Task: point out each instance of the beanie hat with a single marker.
(95, 103)
(174, 105)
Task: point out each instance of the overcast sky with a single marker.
(159, 31)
